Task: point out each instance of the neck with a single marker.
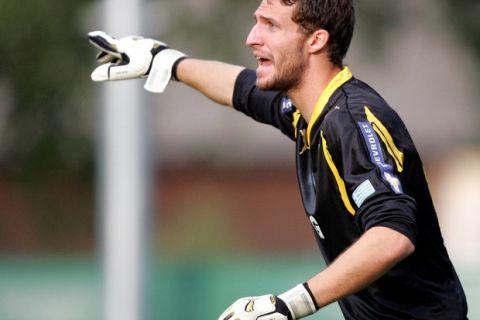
(314, 81)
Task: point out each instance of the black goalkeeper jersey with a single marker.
(357, 168)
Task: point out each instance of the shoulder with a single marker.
(356, 102)
(246, 95)
(345, 106)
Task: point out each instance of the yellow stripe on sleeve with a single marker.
(338, 178)
(387, 139)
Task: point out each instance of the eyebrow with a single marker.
(264, 17)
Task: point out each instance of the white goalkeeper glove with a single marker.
(134, 57)
(291, 305)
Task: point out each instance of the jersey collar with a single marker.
(342, 77)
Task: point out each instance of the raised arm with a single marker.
(214, 79)
(136, 57)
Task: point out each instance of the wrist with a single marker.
(162, 69)
(300, 301)
(175, 66)
(181, 55)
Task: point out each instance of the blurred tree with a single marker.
(464, 15)
(207, 25)
(214, 28)
(42, 51)
(45, 151)
(377, 21)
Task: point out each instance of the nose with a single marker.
(253, 37)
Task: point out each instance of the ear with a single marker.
(318, 41)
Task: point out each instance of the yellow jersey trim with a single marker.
(342, 77)
(387, 139)
(296, 118)
(338, 178)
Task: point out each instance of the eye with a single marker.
(271, 25)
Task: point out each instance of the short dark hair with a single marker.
(337, 17)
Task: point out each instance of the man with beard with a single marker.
(360, 176)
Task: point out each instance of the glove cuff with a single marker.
(299, 301)
(161, 70)
(307, 287)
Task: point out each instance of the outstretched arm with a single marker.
(214, 79)
(136, 57)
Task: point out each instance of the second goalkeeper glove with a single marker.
(294, 304)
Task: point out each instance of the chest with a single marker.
(333, 225)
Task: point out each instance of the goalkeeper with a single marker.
(361, 178)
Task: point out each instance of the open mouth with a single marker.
(264, 62)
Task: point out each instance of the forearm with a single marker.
(377, 251)
(214, 79)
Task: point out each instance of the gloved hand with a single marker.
(294, 304)
(267, 307)
(134, 57)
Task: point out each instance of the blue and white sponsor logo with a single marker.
(287, 105)
(376, 155)
(362, 192)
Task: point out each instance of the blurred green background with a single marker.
(219, 178)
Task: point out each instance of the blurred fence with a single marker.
(61, 288)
